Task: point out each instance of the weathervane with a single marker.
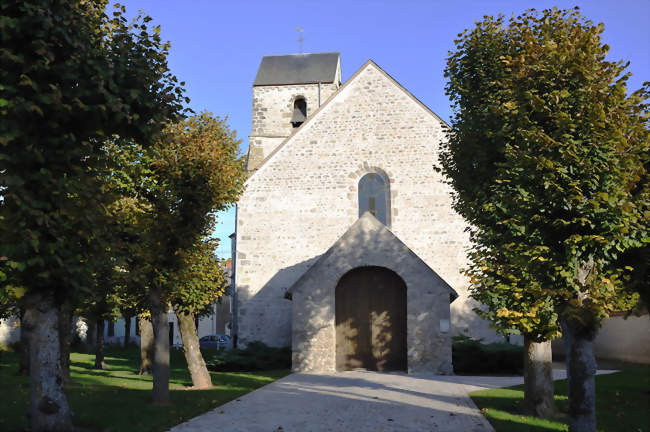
(300, 39)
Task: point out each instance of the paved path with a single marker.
(355, 402)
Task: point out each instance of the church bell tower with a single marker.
(287, 90)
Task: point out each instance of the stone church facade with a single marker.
(347, 278)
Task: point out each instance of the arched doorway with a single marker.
(371, 320)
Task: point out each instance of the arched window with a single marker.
(374, 196)
(299, 112)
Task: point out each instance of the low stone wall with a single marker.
(620, 339)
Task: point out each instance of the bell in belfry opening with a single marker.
(299, 112)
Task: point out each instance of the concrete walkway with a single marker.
(356, 402)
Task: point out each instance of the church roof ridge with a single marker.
(301, 54)
(332, 97)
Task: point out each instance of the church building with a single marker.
(346, 245)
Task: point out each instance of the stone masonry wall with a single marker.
(272, 111)
(305, 197)
(369, 243)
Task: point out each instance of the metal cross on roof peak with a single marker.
(300, 39)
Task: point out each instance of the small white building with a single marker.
(114, 332)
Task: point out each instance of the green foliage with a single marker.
(472, 357)
(637, 279)
(201, 280)
(71, 77)
(129, 173)
(256, 357)
(548, 159)
(195, 170)
(10, 297)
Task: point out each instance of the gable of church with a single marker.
(371, 105)
(369, 243)
(306, 194)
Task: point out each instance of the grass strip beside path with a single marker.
(622, 404)
(118, 399)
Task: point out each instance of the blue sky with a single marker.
(216, 46)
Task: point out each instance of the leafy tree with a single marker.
(470, 158)
(201, 281)
(195, 171)
(131, 284)
(128, 177)
(71, 76)
(545, 153)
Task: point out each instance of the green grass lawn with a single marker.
(622, 404)
(118, 399)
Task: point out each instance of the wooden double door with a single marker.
(371, 320)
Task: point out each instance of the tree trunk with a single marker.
(65, 339)
(581, 369)
(160, 323)
(48, 406)
(90, 335)
(99, 349)
(146, 345)
(191, 348)
(538, 379)
(23, 368)
(127, 330)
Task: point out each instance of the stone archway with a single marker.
(370, 318)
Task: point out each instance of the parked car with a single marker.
(219, 341)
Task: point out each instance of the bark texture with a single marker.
(581, 369)
(191, 348)
(90, 335)
(65, 339)
(146, 345)
(538, 379)
(99, 349)
(160, 323)
(127, 330)
(48, 406)
(23, 368)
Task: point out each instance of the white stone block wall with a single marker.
(272, 111)
(273, 106)
(314, 301)
(305, 197)
(620, 339)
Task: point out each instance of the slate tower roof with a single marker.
(297, 69)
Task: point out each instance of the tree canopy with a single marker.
(548, 158)
(201, 280)
(545, 151)
(72, 78)
(193, 171)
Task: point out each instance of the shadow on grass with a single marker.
(119, 399)
(502, 407)
(622, 401)
(96, 406)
